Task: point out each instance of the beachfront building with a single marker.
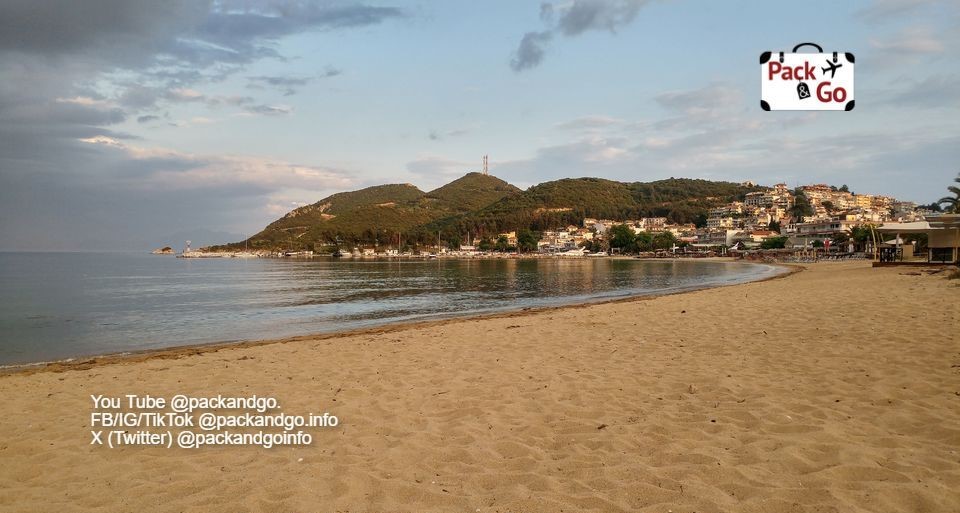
(722, 237)
(825, 227)
(557, 240)
(943, 238)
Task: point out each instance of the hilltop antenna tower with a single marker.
(486, 169)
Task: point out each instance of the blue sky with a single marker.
(125, 124)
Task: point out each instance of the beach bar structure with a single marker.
(943, 238)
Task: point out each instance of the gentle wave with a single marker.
(56, 306)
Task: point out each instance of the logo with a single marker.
(806, 81)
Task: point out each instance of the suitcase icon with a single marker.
(806, 81)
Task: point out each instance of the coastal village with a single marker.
(819, 217)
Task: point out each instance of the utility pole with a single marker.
(486, 170)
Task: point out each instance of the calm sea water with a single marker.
(61, 305)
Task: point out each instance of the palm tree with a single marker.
(952, 204)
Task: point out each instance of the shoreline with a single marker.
(831, 389)
(90, 361)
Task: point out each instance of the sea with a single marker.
(57, 306)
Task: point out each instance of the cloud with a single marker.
(885, 10)
(438, 169)
(570, 20)
(915, 40)
(40, 115)
(546, 12)
(715, 132)
(186, 95)
(934, 92)
(174, 170)
(717, 104)
(436, 135)
(200, 32)
(106, 192)
(873, 161)
(119, 31)
(590, 122)
(530, 52)
(137, 96)
(711, 97)
(278, 81)
(289, 85)
(330, 72)
(590, 151)
(73, 71)
(584, 15)
(269, 110)
(144, 52)
(706, 132)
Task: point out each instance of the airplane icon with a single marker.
(832, 68)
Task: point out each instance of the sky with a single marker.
(132, 124)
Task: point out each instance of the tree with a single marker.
(827, 205)
(644, 241)
(485, 244)
(622, 237)
(952, 205)
(700, 221)
(844, 188)
(526, 241)
(774, 226)
(502, 244)
(840, 238)
(801, 206)
(861, 234)
(774, 242)
(592, 245)
(453, 242)
(663, 240)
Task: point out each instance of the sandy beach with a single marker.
(834, 389)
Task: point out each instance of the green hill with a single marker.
(377, 214)
(483, 205)
(342, 213)
(562, 202)
(470, 192)
(344, 202)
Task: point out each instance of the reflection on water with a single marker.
(56, 305)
